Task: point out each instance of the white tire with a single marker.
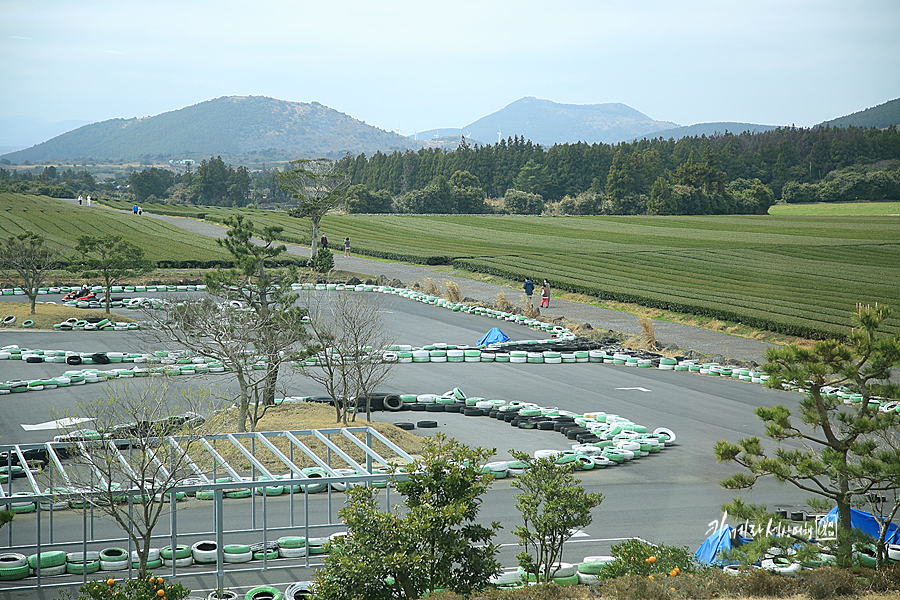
(152, 554)
(587, 579)
(113, 565)
(292, 552)
(667, 432)
(205, 552)
(893, 551)
(182, 562)
(239, 558)
(51, 571)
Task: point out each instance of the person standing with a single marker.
(545, 295)
(89, 200)
(347, 247)
(79, 199)
(324, 242)
(529, 290)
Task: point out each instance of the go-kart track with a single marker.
(671, 496)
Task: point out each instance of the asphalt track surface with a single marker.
(671, 497)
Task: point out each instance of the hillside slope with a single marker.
(881, 116)
(226, 125)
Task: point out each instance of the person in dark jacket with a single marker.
(324, 242)
(529, 290)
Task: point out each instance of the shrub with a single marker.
(501, 302)
(885, 580)
(452, 294)
(761, 582)
(145, 588)
(322, 261)
(830, 582)
(635, 587)
(637, 557)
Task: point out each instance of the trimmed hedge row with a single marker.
(754, 318)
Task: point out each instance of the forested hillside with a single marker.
(729, 173)
(881, 116)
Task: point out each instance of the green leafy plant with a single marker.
(638, 557)
(144, 588)
(322, 261)
(553, 505)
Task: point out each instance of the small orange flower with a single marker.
(649, 576)
(110, 581)
(671, 589)
(651, 559)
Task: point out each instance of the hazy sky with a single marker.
(422, 64)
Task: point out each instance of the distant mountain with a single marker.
(707, 129)
(226, 125)
(22, 132)
(545, 122)
(881, 116)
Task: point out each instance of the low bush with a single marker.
(637, 557)
(145, 588)
(830, 582)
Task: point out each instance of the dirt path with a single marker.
(687, 337)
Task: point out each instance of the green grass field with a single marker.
(800, 275)
(61, 223)
(837, 209)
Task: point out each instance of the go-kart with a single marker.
(80, 295)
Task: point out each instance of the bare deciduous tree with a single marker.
(129, 473)
(26, 259)
(251, 345)
(350, 334)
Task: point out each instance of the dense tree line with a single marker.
(728, 173)
(50, 182)
(722, 174)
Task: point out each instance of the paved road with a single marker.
(670, 497)
(685, 336)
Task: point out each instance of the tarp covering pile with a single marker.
(494, 336)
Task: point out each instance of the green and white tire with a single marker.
(79, 568)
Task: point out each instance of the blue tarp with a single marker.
(708, 552)
(865, 522)
(492, 337)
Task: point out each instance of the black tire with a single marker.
(509, 416)
(586, 438)
(426, 424)
(434, 407)
(574, 433)
(471, 411)
(393, 402)
(33, 359)
(515, 422)
(405, 426)
(545, 425)
(417, 406)
(493, 414)
(100, 358)
(452, 408)
(73, 360)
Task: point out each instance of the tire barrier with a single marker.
(264, 592)
(114, 559)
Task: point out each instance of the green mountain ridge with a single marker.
(226, 125)
(881, 116)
